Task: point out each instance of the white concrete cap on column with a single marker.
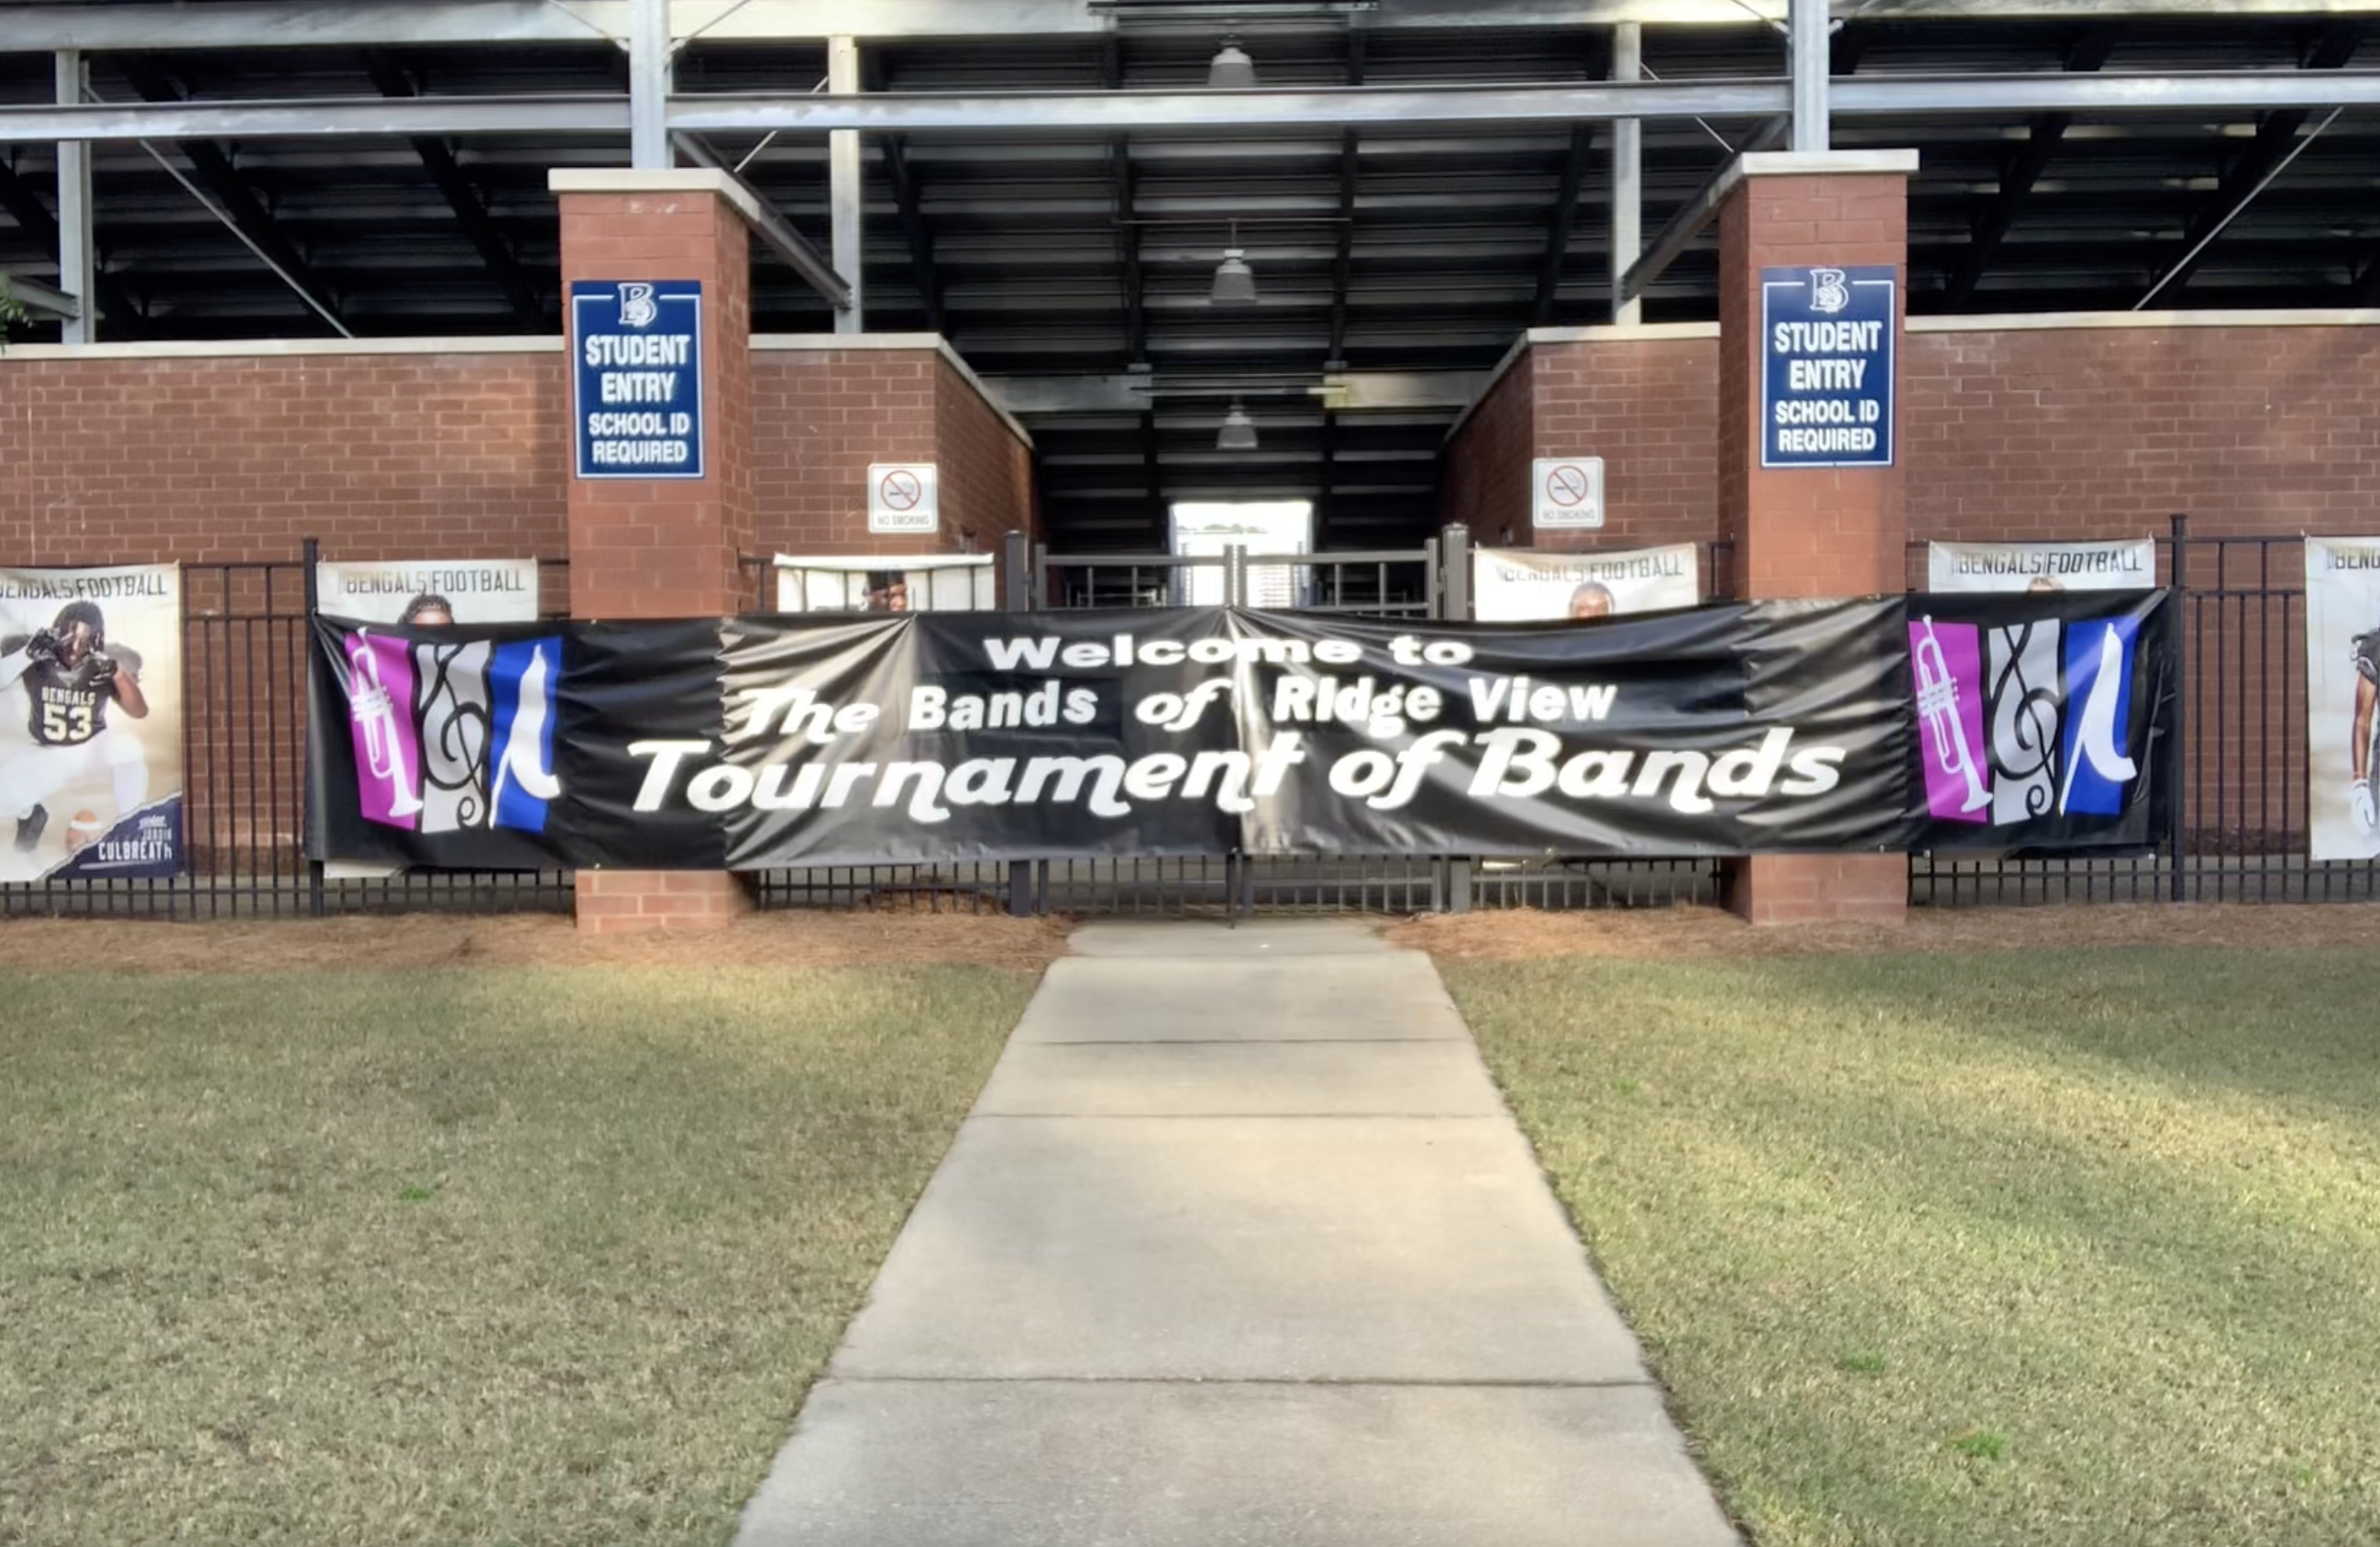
(680, 179)
(1824, 163)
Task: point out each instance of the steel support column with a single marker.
(78, 250)
(1812, 60)
(648, 85)
(1627, 178)
(847, 186)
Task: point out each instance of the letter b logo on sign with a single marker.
(638, 308)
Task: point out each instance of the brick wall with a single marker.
(824, 415)
(218, 458)
(1483, 474)
(2005, 433)
(1652, 398)
(987, 471)
(215, 459)
(2040, 433)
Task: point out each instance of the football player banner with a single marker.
(908, 583)
(2042, 569)
(761, 741)
(1517, 585)
(2342, 681)
(429, 594)
(90, 723)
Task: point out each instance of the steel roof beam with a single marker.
(1123, 112)
(1536, 101)
(776, 232)
(1329, 106)
(1131, 393)
(211, 165)
(2277, 139)
(2017, 182)
(33, 217)
(2366, 291)
(1343, 258)
(909, 206)
(325, 117)
(1573, 181)
(908, 203)
(1685, 223)
(46, 301)
(232, 24)
(470, 212)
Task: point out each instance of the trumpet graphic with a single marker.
(373, 709)
(1938, 701)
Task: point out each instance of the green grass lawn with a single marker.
(1973, 1249)
(452, 1257)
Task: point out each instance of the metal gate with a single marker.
(1428, 581)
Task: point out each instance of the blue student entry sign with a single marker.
(1827, 351)
(638, 377)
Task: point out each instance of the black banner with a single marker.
(762, 741)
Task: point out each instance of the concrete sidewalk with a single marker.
(1239, 1246)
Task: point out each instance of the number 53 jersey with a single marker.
(70, 704)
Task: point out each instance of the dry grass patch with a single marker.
(1521, 934)
(790, 938)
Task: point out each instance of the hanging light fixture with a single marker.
(1231, 70)
(1239, 432)
(1235, 282)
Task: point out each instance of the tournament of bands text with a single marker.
(785, 746)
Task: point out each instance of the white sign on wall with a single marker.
(1521, 585)
(1569, 492)
(2128, 564)
(904, 498)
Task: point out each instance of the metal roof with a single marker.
(1056, 254)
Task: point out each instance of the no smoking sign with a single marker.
(1568, 491)
(902, 498)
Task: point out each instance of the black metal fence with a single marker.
(2239, 832)
(242, 696)
(2239, 783)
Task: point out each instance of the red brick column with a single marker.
(660, 547)
(1809, 531)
